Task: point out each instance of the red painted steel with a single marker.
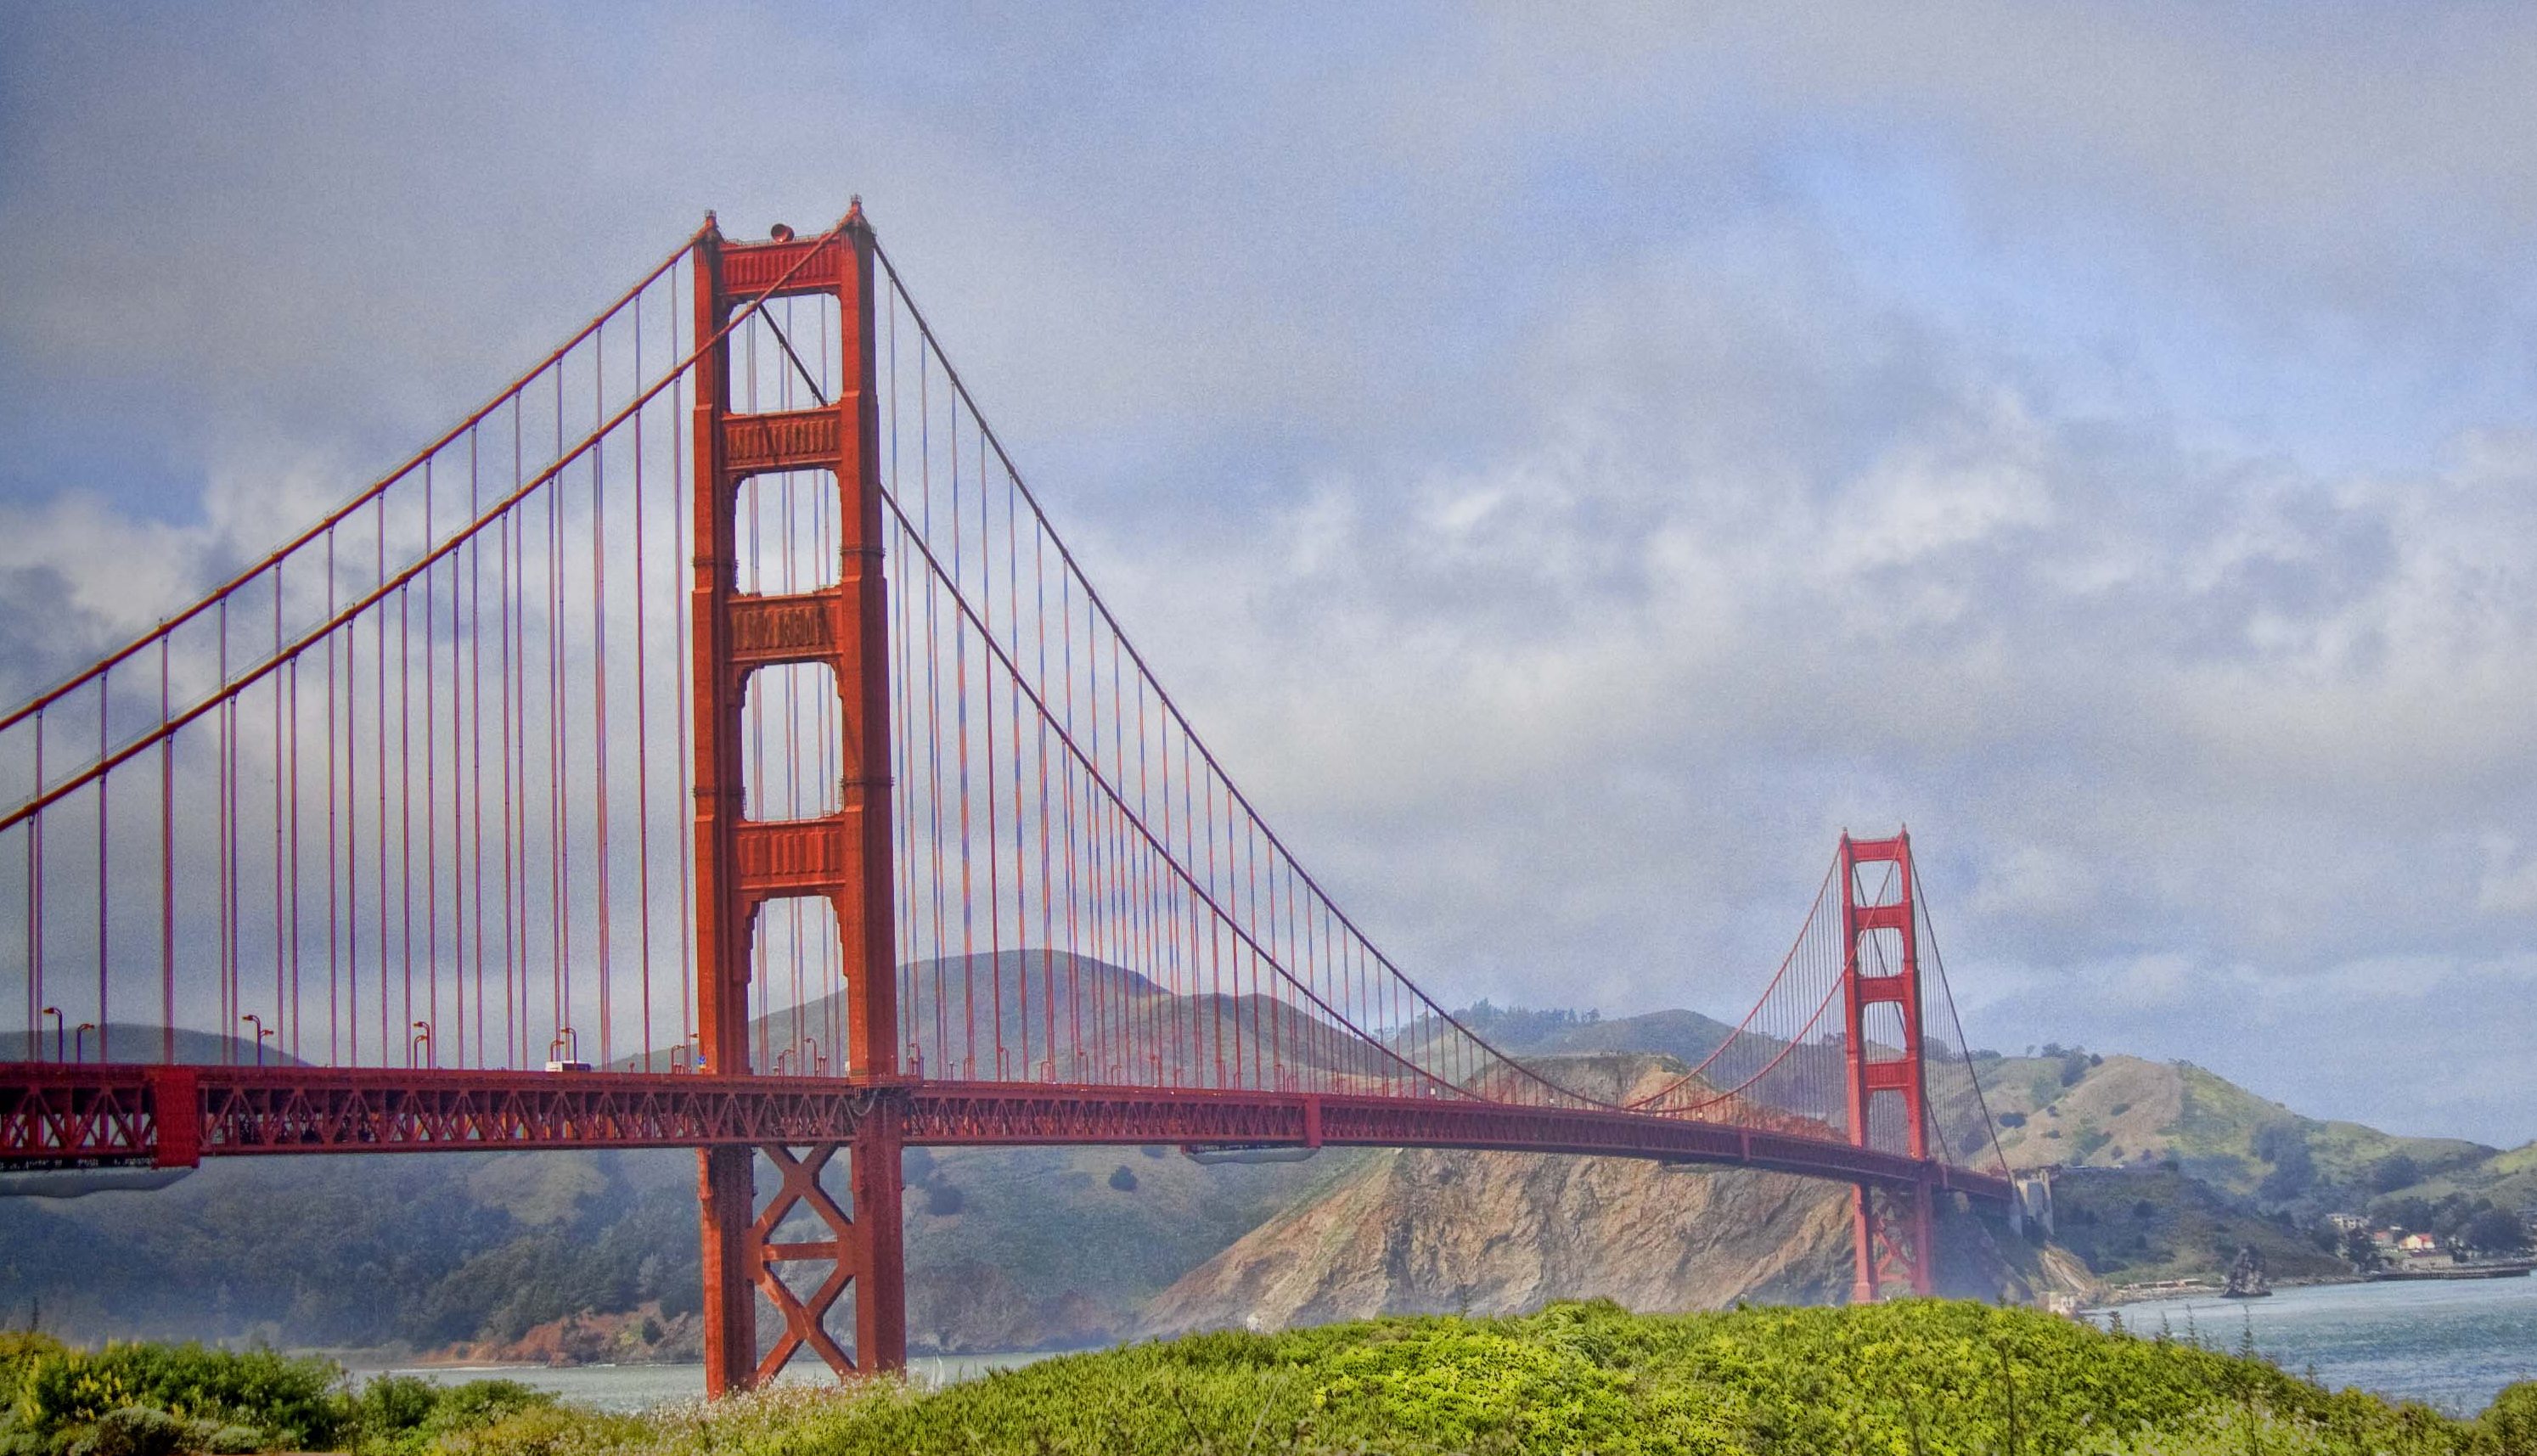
(960, 870)
(1892, 1230)
(844, 857)
(53, 1115)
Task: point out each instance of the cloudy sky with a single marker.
(1571, 470)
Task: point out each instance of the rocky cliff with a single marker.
(1501, 1232)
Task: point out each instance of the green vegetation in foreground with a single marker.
(157, 1400)
(1922, 1379)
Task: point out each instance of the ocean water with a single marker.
(639, 1387)
(2450, 1346)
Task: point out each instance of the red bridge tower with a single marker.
(842, 857)
(1881, 967)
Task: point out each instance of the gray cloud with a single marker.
(1569, 467)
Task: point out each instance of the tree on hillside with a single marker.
(2494, 1231)
(2361, 1248)
(2284, 1145)
(2413, 1215)
(2393, 1172)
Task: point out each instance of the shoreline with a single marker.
(2117, 1295)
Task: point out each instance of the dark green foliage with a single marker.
(135, 1430)
(1123, 1179)
(156, 1400)
(2509, 1425)
(293, 1402)
(2479, 1224)
(400, 1413)
(528, 1282)
(482, 1403)
(394, 1402)
(381, 1251)
(2138, 1224)
(2393, 1172)
(2494, 1231)
(2285, 1146)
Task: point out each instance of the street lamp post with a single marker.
(55, 1012)
(261, 1031)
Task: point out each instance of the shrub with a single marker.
(136, 1430)
(297, 1402)
(478, 1403)
(547, 1431)
(2508, 1426)
(390, 1404)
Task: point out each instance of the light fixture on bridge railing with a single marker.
(261, 1031)
(563, 1053)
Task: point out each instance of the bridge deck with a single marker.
(90, 1115)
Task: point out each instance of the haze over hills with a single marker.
(126, 1042)
(593, 1255)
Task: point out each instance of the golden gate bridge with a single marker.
(711, 743)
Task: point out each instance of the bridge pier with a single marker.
(727, 1192)
(1895, 1241)
(858, 1255)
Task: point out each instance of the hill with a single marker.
(124, 1043)
(1426, 1232)
(2083, 1109)
(2148, 1224)
(593, 1255)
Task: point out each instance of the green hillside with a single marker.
(2141, 1226)
(2507, 1178)
(2082, 1110)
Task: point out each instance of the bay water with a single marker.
(2450, 1345)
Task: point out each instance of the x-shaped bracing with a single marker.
(805, 1318)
